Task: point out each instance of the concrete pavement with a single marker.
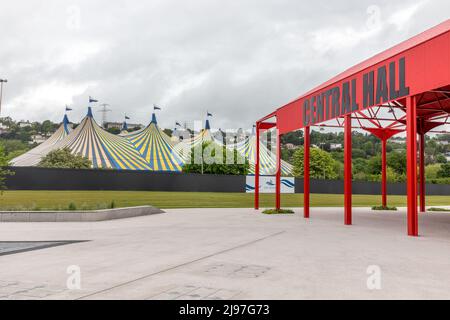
(232, 254)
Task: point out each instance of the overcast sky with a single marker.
(237, 59)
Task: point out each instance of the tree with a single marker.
(168, 132)
(321, 164)
(440, 158)
(14, 148)
(444, 172)
(359, 165)
(374, 165)
(3, 171)
(63, 158)
(113, 130)
(397, 161)
(358, 153)
(294, 137)
(369, 148)
(211, 158)
(47, 127)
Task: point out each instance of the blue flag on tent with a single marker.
(91, 100)
(209, 114)
(177, 124)
(155, 107)
(68, 109)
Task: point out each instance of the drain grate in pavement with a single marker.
(13, 247)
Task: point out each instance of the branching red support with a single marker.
(383, 134)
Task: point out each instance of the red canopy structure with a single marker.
(403, 89)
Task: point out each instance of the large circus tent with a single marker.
(105, 150)
(156, 147)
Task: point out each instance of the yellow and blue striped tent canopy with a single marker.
(156, 148)
(203, 136)
(267, 158)
(34, 156)
(104, 149)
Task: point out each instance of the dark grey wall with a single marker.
(68, 179)
(33, 178)
(337, 187)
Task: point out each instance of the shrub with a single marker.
(384, 208)
(280, 211)
(439, 209)
(72, 206)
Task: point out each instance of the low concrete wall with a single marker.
(77, 216)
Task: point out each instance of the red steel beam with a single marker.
(348, 170)
(383, 173)
(422, 171)
(411, 165)
(257, 168)
(278, 177)
(306, 180)
(266, 125)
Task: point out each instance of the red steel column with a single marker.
(257, 169)
(383, 173)
(348, 170)
(422, 171)
(411, 165)
(278, 178)
(306, 153)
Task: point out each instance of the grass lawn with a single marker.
(60, 200)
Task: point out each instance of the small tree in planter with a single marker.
(211, 158)
(64, 159)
